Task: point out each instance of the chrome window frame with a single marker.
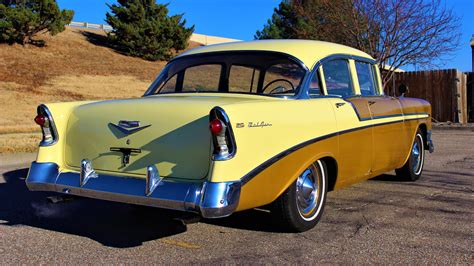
(305, 92)
(155, 86)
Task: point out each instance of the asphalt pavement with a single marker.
(378, 221)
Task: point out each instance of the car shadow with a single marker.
(252, 220)
(109, 223)
(389, 178)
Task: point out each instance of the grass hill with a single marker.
(76, 64)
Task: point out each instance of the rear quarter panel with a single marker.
(286, 124)
(60, 113)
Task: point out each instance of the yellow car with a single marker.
(231, 127)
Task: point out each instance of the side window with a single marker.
(170, 85)
(338, 78)
(314, 88)
(366, 77)
(243, 79)
(202, 78)
(282, 78)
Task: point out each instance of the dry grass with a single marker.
(75, 65)
(19, 142)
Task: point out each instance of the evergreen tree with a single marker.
(21, 20)
(284, 24)
(327, 20)
(143, 28)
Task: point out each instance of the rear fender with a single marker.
(60, 113)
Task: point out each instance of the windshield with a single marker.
(263, 73)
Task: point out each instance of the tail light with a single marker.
(45, 121)
(224, 147)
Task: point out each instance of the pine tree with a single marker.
(327, 20)
(143, 28)
(21, 20)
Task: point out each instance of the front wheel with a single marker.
(413, 168)
(301, 206)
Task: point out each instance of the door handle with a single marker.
(339, 104)
(372, 102)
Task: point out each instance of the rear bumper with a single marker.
(210, 199)
(429, 141)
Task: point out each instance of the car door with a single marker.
(352, 116)
(387, 119)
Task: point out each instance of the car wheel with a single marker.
(301, 206)
(413, 168)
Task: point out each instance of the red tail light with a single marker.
(223, 141)
(215, 126)
(45, 121)
(40, 120)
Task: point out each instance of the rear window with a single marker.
(202, 78)
(264, 73)
(243, 79)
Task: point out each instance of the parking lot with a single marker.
(377, 221)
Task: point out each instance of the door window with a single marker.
(314, 88)
(366, 77)
(338, 78)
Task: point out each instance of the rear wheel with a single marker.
(413, 168)
(301, 206)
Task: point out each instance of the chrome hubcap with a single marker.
(307, 191)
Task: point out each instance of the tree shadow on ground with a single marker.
(97, 39)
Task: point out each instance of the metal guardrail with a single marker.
(90, 26)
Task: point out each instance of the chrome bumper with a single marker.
(429, 141)
(210, 199)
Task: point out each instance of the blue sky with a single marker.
(240, 19)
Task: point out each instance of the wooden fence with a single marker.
(470, 96)
(446, 90)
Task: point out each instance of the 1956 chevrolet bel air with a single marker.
(231, 127)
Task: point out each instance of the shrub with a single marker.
(21, 20)
(143, 28)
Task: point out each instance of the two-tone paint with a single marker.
(358, 137)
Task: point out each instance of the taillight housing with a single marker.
(223, 141)
(45, 121)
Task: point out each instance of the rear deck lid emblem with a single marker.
(128, 127)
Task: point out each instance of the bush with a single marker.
(21, 20)
(143, 28)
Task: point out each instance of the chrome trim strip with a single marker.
(211, 199)
(250, 175)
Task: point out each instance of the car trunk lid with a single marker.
(169, 132)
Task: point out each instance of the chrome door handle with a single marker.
(372, 102)
(339, 104)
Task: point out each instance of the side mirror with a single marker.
(402, 89)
